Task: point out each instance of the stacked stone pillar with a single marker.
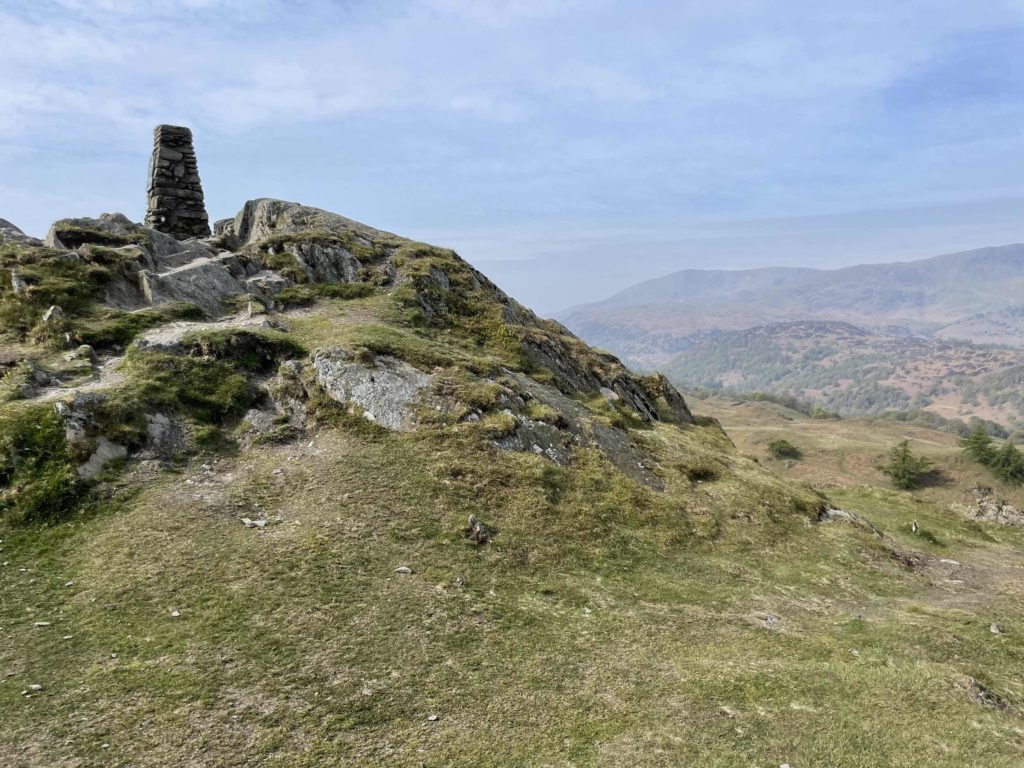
(175, 193)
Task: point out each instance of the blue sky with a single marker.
(566, 147)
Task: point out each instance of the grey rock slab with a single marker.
(205, 282)
(105, 453)
(385, 391)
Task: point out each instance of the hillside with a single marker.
(854, 371)
(968, 295)
(303, 492)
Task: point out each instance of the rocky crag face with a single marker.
(175, 191)
(445, 345)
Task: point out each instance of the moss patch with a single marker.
(38, 481)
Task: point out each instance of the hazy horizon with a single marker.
(567, 149)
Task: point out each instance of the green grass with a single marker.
(604, 625)
(307, 295)
(38, 481)
(107, 328)
(715, 622)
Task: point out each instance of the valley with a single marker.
(940, 335)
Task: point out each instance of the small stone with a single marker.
(46, 624)
(433, 718)
(403, 569)
(69, 583)
(35, 687)
(995, 629)
(68, 637)
(175, 613)
(53, 314)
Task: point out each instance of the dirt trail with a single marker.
(108, 372)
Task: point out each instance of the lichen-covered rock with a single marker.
(576, 427)
(991, 508)
(11, 234)
(108, 229)
(165, 436)
(264, 218)
(385, 388)
(325, 262)
(538, 437)
(205, 282)
(105, 454)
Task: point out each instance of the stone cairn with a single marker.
(175, 193)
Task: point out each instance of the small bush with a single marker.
(700, 470)
(783, 449)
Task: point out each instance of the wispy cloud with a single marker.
(552, 115)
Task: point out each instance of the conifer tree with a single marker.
(904, 467)
(978, 445)
(1008, 464)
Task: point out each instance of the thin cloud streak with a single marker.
(566, 119)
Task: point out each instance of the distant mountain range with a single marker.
(944, 334)
(975, 295)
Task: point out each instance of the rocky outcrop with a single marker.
(991, 508)
(11, 234)
(276, 244)
(175, 191)
(577, 428)
(205, 281)
(110, 229)
(384, 387)
(264, 218)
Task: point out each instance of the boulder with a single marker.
(18, 284)
(165, 437)
(385, 389)
(53, 315)
(11, 234)
(105, 454)
(108, 229)
(205, 282)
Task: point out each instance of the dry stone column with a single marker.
(175, 193)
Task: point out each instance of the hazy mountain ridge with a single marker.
(960, 295)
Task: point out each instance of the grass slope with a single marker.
(715, 622)
(607, 624)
